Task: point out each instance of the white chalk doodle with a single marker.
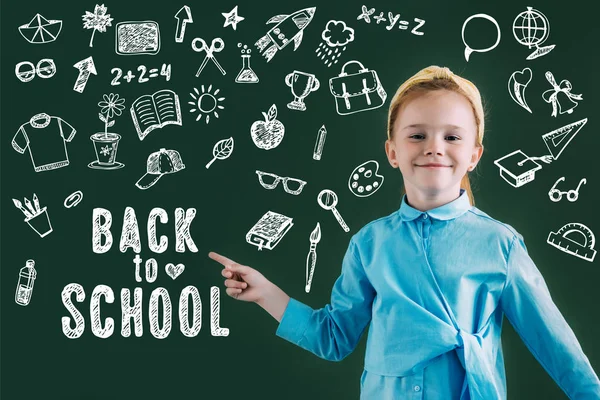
(518, 169)
(99, 20)
(366, 14)
(35, 216)
(232, 18)
(160, 163)
(288, 28)
(468, 49)
(327, 199)
(151, 266)
(290, 185)
(246, 74)
(26, 71)
(165, 71)
(572, 195)
(364, 180)
(27, 276)
(106, 143)
(155, 111)
(205, 103)
(269, 230)
(46, 139)
(320, 143)
(73, 199)
(566, 240)
(183, 17)
(336, 37)
(558, 139)
(560, 92)
(86, 68)
(311, 258)
(269, 133)
(41, 30)
(301, 84)
(216, 46)
(531, 28)
(215, 305)
(137, 38)
(221, 150)
(174, 270)
(356, 91)
(517, 83)
(392, 19)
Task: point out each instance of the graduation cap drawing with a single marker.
(41, 30)
(517, 168)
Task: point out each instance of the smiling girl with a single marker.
(434, 279)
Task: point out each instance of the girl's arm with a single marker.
(331, 332)
(528, 306)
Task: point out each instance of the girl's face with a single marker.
(434, 144)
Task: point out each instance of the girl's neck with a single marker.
(428, 201)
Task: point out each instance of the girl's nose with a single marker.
(434, 147)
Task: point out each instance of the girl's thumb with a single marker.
(242, 269)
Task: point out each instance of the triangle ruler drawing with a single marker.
(558, 139)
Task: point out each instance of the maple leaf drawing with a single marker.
(98, 20)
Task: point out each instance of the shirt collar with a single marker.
(447, 211)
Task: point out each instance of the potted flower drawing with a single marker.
(106, 143)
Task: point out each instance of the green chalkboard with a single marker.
(42, 359)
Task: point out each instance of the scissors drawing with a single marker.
(215, 47)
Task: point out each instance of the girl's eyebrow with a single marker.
(425, 125)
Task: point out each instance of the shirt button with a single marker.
(417, 388)
(424, 216)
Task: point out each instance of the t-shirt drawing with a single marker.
(46, 138)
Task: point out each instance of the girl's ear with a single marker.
(390, 151)
(476, 156)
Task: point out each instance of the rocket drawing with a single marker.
(289, 28)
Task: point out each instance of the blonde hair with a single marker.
(437, 78)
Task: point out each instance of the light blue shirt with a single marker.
(434, 287)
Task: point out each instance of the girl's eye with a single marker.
(452, 137)
(417, 136)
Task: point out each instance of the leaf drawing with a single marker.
(102, 117)
(221, 150)
(98, 20)
(272, 113)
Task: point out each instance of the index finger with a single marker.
(221, 259)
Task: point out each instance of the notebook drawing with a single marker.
(151, 112)
(269, 230)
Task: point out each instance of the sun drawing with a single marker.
(206, 103)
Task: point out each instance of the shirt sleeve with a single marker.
(530, 309)
(66, 130)
(20, 140)
(333, 331)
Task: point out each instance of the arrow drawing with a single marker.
(183, 16)
(85, 67)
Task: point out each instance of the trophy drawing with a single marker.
(302, 84)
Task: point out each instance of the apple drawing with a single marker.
(269, 133)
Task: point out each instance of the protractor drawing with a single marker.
(576, 239)
(558, 139)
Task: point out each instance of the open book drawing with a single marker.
(151, 112)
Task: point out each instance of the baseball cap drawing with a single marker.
(160, 163)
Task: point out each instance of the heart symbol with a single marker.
(174, 271)
(523, 77)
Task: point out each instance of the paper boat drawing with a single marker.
(41, 30)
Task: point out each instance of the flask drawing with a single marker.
(246, 74)
(27, 276)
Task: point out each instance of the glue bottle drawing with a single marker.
(27, 276)
(246, 74)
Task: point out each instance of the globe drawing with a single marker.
(531, 29)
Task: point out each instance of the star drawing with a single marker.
(232, 18)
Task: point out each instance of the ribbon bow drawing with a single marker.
(551, 95)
